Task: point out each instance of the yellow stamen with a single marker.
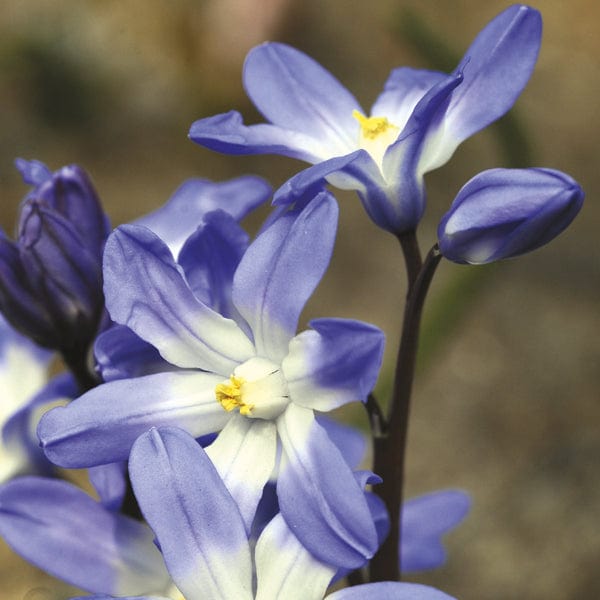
(372, 127)
(229, 395)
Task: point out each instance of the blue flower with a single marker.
(249, 375)
(503, 213)
(204, 541)
(415, 124)
(50, 523)
(51, 278)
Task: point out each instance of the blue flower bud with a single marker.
(503, 213)
(51, 277)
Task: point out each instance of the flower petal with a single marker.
(402, 91)
(402, 162)
(351, 442)
(281, 269)
(199, 528)
(389, 590)
(285, 569)
(319, 496)
(100, 426)
(146, 290)
(120, 353)
(60, 529)
(496, 68)
(227, 133)
(244, 456)
(335, 363)
(295, 92)
(109, 483)
(210, 257)
(424, 520)
(177, 219)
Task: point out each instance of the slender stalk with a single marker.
(390, 448)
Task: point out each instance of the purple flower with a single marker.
(248, 375)
(204, 541)
(503, 213)
(415, 124)
(51, 277)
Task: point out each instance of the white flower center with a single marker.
(257, 387)
(376, 135)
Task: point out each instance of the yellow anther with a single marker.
(229, 395)
(372, 127)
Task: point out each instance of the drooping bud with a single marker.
(503, 213)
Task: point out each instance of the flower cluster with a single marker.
(188, 394)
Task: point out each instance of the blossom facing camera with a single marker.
(503, 213)
(414, 126)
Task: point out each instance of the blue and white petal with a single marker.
(176, 220)
(403, 160)
(402, 92)
(280, 271)
(197, 523)
(146, 290)
(63, 531)
(100, 426)
(336, 362)
(244, 456)
(293, 91)
(285, 569)
(496, 68)
(227, 133)
(319, 496)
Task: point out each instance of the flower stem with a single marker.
(390, 447)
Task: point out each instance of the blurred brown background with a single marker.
(507, 405)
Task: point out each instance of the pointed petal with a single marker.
(33, 172)
(209, 259)
(424, 521)
(60, 529)
(285, 569)
(280, 271)
(496, 68)
(100, 426)
(335, 363)
(197, 523)
(177, 219)
(402, 92)
(146, 290)
(244, 456)
(319, 497)
(294, 91)
(389, 590)
(355, 171)
(227, 133)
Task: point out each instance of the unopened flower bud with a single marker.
(503, 213)
(51, 277)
